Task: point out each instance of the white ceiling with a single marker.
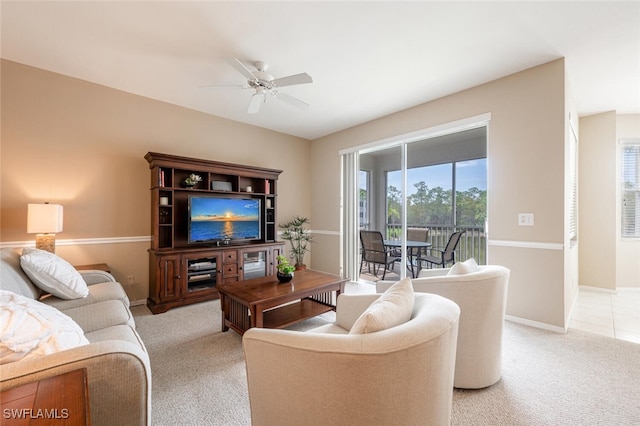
(367, 59)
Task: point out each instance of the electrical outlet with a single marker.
(131, 279)
(525, 219)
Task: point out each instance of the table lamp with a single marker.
(45, 220)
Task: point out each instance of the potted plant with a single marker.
(192, 180)
(285, 269)
(299, 237)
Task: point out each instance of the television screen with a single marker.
(215, 219)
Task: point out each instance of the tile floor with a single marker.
(614, 315)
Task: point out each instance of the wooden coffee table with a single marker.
(265, 302)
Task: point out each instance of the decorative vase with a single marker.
(284, 278)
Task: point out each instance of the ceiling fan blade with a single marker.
(302, 78)
(292, 101)
(242, 68)
(254, 104)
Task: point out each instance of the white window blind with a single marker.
(630, 186)
(573, 176)
(349, 226)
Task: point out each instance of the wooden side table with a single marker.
(62, 399)
(98, 266)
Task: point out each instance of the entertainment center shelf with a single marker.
(184, 267)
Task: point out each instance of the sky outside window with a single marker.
(469, 174)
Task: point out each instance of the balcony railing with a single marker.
(473, 242)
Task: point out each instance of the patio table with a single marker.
(413, 249)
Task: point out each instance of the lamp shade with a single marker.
(44, 218)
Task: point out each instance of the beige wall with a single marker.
(526, 157)
(82, 145)
(597, 195)
(606, 260)
(627, 250)
(571, 244)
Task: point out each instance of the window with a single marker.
(471, 192)
(434, 191)
(394, 204)
(430, 196)
(448, 143)
(630, 186)
(363, 214)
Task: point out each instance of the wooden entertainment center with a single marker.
(183, 271)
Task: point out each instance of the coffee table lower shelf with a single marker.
(284, 316)
(278, 317)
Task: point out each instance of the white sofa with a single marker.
(482, 297)
(402, 375)
(115, 358)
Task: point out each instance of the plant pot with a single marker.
(301, 267)
(284, 278)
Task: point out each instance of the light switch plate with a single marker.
(525, 219)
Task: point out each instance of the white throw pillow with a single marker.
(30, 329)
(393, 307)
(53, 274)
(462, 268)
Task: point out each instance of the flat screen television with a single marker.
(213, 219)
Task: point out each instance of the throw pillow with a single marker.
(467, 267)
(53, 274)
(30, 329)
(392, 308)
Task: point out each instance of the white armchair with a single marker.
(482, 297)
(401, 375)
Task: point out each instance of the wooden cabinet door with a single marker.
(259, 261)
(254, 263)
(170, 278)
(275, 251)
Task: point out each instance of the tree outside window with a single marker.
(431, 199)
(364, 199)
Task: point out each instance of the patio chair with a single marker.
(418, 234)
(441, 256)
(374, 252)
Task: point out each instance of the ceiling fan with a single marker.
(264, 84)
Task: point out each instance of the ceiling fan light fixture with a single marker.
(264, 84)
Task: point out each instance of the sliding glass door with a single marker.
(435, 185)
(384, 213)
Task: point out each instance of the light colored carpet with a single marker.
(548, 378)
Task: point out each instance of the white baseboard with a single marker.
(536, 324)
(138, 302)
(527, 244)
(608, 290)
(597, 289)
